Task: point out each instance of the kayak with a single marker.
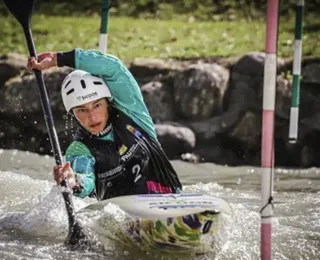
(181, 223)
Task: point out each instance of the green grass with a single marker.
(130, 38)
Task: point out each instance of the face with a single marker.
(93, 116)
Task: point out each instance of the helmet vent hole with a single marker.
(83, 84)
(70, 91)
(67, 84)
(97, 82)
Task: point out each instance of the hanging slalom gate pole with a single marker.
(296, 70)
(267, 145)
(103, 43)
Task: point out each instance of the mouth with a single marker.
(95, 126)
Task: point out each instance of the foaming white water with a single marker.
(27, 193)
(295, 225)
(34, 207)
(18, 191)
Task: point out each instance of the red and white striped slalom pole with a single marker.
(267, 146)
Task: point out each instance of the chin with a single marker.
(96, 131)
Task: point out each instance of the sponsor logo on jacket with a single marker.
(134, 131)
(111, 173)
(122, 149)
(130, 152)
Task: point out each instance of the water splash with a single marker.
(69, 124)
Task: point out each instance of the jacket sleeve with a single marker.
(82, 163)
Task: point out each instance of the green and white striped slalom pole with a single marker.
(103, 43)
(294, 111)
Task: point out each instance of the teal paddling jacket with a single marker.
(126, 97)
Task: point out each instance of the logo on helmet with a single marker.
(93, 94)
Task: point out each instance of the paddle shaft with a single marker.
(50, 125)
(45, 102)
(22, 11)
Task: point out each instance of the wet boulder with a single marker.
(11, 65)
(159, 100)
(199, 91)
(175, 139)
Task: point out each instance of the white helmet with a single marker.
(81, 87)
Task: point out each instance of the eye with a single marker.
(97, 105)
(80, 110)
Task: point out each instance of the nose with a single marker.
(92, 115)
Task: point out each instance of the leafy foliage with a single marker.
(135, 37)
(163, 28)
(166, 9)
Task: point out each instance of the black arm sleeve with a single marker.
(66, 58)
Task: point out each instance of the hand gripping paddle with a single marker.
(22, 11)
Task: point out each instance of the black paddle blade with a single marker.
(80, 238)
(21, 10)
(77, 237)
